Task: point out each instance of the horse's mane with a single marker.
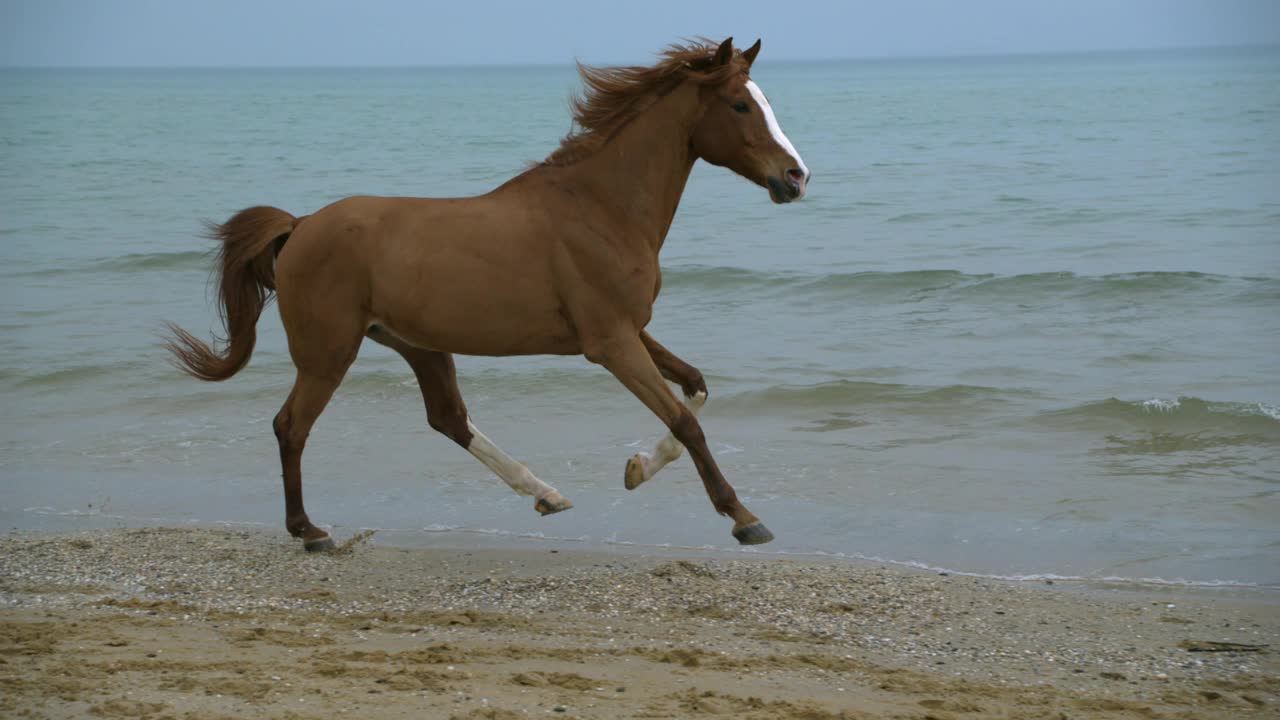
(614, 96)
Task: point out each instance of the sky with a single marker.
(270, 33)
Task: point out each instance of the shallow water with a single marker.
(1024, 325)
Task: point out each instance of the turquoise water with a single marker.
(1025, 324)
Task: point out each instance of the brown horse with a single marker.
(562, 259)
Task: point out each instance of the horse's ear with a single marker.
(750, 53)
(724, 53)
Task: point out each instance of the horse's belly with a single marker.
(485, 330)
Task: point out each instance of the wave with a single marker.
(1189, 416)
(158, 384)
(1119, 285)
(931, 399)
(138, 262)
(885, 286)
(155, 375)
(1184, 423)
(712, 278)
(1176, 422)
(956, 285)
(130, 263)
(72, 375)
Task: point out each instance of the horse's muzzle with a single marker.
(788, 188)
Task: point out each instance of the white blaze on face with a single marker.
(774, 129)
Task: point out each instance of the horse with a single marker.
(561, 259)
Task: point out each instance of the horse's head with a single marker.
(739, 131)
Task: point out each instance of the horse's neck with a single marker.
(641, 173)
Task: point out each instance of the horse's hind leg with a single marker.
(643, 466)
(447, 414)
(318, 376)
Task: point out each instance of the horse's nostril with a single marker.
(796, 175)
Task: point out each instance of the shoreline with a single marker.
(464, 538)
(460, 539)
(202, 623)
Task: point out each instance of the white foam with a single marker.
(1161, 405)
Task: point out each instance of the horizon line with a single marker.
(951, 55)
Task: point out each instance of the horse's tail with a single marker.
(245, 273)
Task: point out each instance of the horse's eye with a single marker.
(741, 107)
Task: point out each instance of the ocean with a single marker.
(1025, 324)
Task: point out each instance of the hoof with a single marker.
(315, 545)
(552, 504)
(633, 477)
(754, 534)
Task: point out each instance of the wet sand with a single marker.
(199, 624)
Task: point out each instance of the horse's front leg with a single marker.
(626, 356)
(643, 466)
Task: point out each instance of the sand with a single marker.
(201, 624)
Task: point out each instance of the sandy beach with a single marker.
(205, 623)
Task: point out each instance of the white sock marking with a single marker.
(512, 472)
(774, 129)
(669, 448)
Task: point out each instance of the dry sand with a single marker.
(204, 624)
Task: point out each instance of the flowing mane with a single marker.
(614, 96)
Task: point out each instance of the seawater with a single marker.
(1025, 324)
